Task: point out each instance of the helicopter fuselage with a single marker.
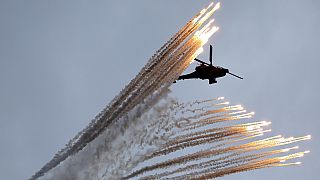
(209, 72)
(206, 72)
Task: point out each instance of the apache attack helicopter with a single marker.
(207, 71)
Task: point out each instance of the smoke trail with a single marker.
(143, 125)
(166, 65)
(150, 143)
(229, 148)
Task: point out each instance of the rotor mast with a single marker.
(210, 59)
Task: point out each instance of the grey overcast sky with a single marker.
(62, 61)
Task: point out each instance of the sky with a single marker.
(61, 62)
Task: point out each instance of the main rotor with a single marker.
(211, 65)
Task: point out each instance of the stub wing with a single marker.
(192, 75)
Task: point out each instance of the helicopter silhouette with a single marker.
(207, 71)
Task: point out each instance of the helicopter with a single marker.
(207, 71)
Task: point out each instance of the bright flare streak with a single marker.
(287, 164)
(207, 31)
(236, 107)
(208, 14)
(195, 20)
(265, 123)
(202, 12)
(210, 5)
(217, 6)
(289, 149)
(223, 103)
(247, 115)
(199, 51)
(265, 131)
(205, 28)
(238, 112)
(207, 34)
(249, 128)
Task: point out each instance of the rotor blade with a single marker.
(210, 55)
(235, 75)
(201, 61)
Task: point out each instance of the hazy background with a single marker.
(62, 61)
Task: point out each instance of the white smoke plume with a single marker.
(163, 138)
(161, 70)
(144, 133)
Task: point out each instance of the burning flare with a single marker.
(175, 140)
(200, 146)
